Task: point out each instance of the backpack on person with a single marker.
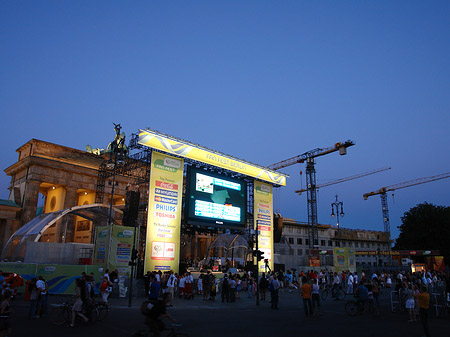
(225, 283)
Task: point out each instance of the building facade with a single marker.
(49, 177)
(293, 249)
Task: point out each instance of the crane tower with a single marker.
(382, 192)
(311, 182)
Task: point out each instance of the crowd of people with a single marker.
(414, 290)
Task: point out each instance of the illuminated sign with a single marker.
(215, 199)
(164, 215)
(182, 148)
(263, 207)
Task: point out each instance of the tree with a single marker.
(427, 227)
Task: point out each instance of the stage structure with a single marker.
(221, 191)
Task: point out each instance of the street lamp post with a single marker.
(339, 206)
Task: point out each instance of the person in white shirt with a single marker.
(107, 274)
(181, 286)
(315, 297)
(171, 286)
(350, 284)
(336, 284)
(42, 297)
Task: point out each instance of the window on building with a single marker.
(300, 252)
(291, 241)
(306, 241)
(330, 243)
(306, 251)
(299, 241)
(356, 244)
(291, 251)
(322, 243)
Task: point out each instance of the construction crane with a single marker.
(341, 180)
(311, 182)
(382, 192)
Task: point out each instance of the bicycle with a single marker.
(102, 310)
(172, 332)
(61, 314)
(355, 307)
(340, 294)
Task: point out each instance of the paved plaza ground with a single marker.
(241, 318)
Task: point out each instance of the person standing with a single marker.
(34, 294)
(336, 285)
(42, 297)
(200, 285)
(350, 284)
(315, 297)
(189, 286)
(232, 284)
(105, 289)
(155, 286)
(206, 282)
(5, 312)
(305, 291)
(410, 303)
(181, 286)
(263, 287)
(171, 287)
(77, 309)
(147, 278)
(213, 292)
(274, 286)
(225, 289)
(107, 274)
(2, 281)
(375, 290)
(424, 304)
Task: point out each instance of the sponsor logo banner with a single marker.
(264, 222)
(164, 216)
(185, 149)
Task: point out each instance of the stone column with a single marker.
(71, 197)
(30, 201)
(70, 200)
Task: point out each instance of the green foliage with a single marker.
(427, 227)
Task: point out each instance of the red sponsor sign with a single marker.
(264, 228)
(167, 186)
(163, 258)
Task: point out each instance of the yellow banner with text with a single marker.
(162, 251)
(263, 203)
(182, 148)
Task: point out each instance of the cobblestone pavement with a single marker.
(241, 318)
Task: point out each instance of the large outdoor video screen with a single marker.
(215, 199)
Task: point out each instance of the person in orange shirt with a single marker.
(424, 304)
(305, 291)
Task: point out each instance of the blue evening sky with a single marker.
(259, 80)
